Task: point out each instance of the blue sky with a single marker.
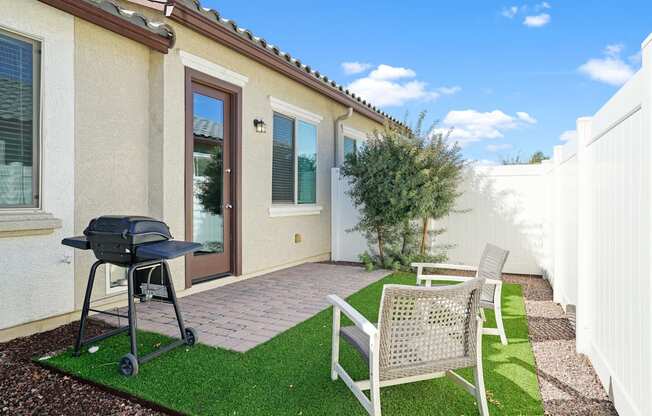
(510, 77)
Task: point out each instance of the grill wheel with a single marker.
(191, 336)
(129, 365)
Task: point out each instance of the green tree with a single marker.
(210, 190)
(441, 165)
(536, 158)
(401, 180)
(384, 184)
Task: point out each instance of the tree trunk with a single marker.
(424, 235)
(405, 235)
(381, 251)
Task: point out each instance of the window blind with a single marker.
(19, 67)
(283, 160)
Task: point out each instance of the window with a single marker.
(350, 146)
(294, 161)
(19, 121)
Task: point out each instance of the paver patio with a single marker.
(242, 315)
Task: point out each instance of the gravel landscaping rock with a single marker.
(568, 383)
(28, 389)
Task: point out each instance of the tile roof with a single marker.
(207, 128)
(158, 28)
(275, 50)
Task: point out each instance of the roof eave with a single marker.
(213, 30)
(116, 24)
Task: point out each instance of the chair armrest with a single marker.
(355, 316)
(443, 277)
(445, 266)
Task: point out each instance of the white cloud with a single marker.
(468, 126)
(449, 90)
(510, 12)
(611, 69)
(392, 86)
(636, 59)
(523, 116)
(542, 6)
(498, 147)
(351, 68)
(387, 73)
(538, 20)
(568, 135)
(614, 49)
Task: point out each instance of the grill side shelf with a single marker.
(79, 242)
(166, 249)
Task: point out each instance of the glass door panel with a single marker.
(208, 174)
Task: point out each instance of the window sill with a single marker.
(294, 210)
(24, 223)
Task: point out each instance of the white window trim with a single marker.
(354, 133)
(294, 210)
(297, 114)
(291, 110)
(212, 69)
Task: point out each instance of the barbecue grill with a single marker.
(142, 245)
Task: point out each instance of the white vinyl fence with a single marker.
(583, 220)
(505, 205)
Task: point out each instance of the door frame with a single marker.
(234, 94)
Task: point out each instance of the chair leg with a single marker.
(484, 317)
(335, 347)
(478, 375)
(481, 395)
(499, 313)
(499, 324)
(374, 378)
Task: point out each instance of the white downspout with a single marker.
(338, 156)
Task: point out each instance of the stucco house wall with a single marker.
(114, 144)
(36, 272)
(111, 135)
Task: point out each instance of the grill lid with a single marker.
(128, 226)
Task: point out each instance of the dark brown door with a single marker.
(208, 182)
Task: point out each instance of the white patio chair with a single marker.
(422, 333)
(491, 269)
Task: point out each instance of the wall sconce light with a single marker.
(260, 125)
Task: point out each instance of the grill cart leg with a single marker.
(86, 307)
(172, 296)
(132, 310)
(189, 335)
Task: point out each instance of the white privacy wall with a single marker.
(502, 205)
(346, 245)
(614, 316)
(563, 221)
(36, 272)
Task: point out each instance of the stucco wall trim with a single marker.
(294, 111)
(354, 133)
(294, 210)
(214, 70)
(27, 223)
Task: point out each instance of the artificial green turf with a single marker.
(290, 374)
